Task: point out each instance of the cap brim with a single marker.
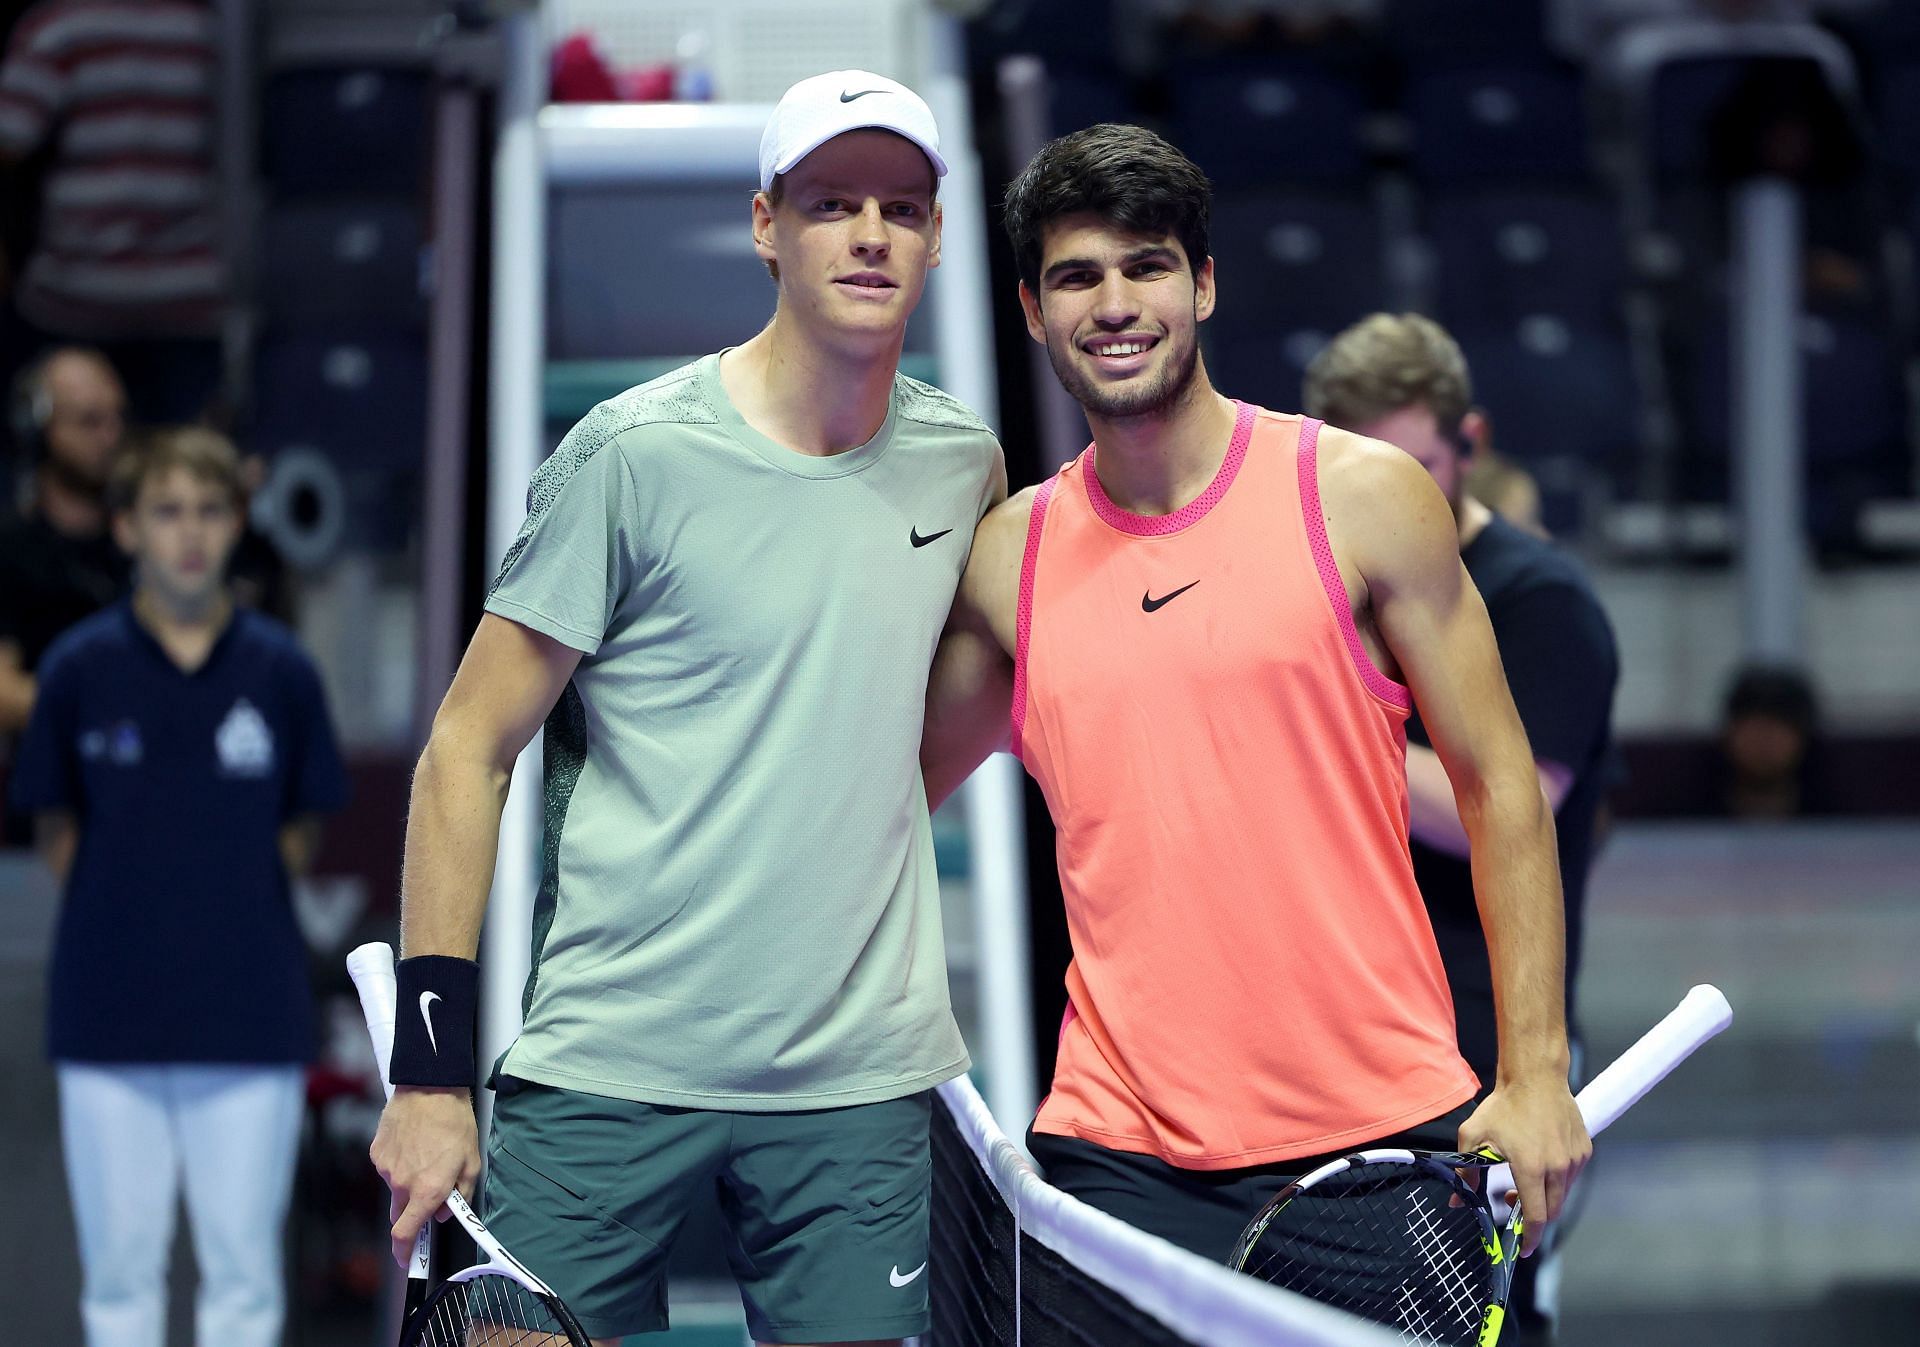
(786, 165)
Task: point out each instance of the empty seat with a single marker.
(324, 261)
(1556, 388)
(1076, 100)
(1260, 126)
(1853, 407)
(1897, 122)
(1502, 255)
(1426, 34)
(345, 129)
(358, 395)
(1296, 260)
(1498, 124)
(1264, 366)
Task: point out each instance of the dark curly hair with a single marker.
(1126, 175)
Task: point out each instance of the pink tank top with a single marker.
(1254, 976)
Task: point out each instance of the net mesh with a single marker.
(1017, 1262)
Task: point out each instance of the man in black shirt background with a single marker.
(58, 560)
(1402, 379)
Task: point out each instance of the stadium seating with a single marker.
(1517, 124)
(1261, 125)
(332, 259)
(1557, 388)
(352, 129)
(1502, 255)
(1296, 260)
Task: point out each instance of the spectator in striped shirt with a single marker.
(116, 97)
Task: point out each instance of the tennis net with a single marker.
(1017, 1262)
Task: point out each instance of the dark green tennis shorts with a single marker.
(826, 1210)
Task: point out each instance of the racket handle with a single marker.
(371, 968)
(1702, 1013)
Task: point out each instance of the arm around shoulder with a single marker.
(970, 688)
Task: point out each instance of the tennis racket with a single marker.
(495, 1303)
(1405, 1239)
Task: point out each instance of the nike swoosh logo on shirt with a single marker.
(846, 97)
(893, 1274)
(426, 1013)
(1150, 604)
(913, 536)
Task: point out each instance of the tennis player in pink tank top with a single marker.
(1203, 638)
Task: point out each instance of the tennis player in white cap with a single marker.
(723, 607)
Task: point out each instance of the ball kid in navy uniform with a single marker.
(176, 762)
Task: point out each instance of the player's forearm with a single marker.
(968, 695)
(1518, 892)
(453, 833)
(299, 841)
(57, 838)
(1433, 813)
(16, 699)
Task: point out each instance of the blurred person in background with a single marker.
(177, 760)
(58, 560)
(1402, 379)
(1502, 485)
(1767, 740)
(116, 102)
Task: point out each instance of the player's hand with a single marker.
(1535, 1125)
(428, 1145)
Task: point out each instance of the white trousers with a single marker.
(135, 1136)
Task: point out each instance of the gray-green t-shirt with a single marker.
(738, 907)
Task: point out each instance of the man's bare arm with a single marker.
(1397, 532)
(299, 842)
(56, 835)
(1435, 814)
(507, 683)
(16, 690)
(970, 689)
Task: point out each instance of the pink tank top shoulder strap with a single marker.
(1023, 618)
(1381, 686)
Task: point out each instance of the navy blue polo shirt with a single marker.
(177, 940)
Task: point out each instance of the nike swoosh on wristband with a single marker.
(846, 97)
(893, 1274)
(913, 536)
(426, 1013)
(1150, 604)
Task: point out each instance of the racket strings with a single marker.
(1388, 1242)
(1446, 1263)
(489, 1311)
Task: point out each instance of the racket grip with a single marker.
(371, 968)
(1701, 1014)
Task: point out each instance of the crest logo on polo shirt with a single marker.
(118, 744)
(244, 742)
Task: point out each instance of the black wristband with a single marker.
(439, 999)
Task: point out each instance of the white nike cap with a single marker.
(819, 108)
